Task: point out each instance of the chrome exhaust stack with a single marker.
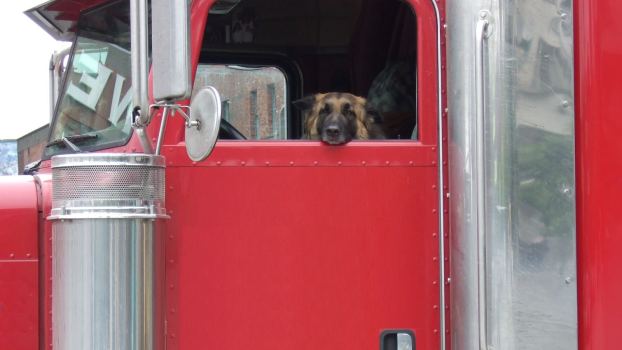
(108, 251)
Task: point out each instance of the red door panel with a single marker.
(296, 253)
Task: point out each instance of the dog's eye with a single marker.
(347, 110)
(325, 109)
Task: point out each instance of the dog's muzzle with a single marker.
(333, 134)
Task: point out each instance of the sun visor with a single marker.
(60, 17)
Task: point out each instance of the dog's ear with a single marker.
(305, 103)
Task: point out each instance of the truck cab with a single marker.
(456, 228)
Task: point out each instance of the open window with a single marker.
(263, 54)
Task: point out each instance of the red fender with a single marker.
(19, 263)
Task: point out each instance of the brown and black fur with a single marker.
(338, 117)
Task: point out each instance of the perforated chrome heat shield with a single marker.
(108, 251)
(108, 185)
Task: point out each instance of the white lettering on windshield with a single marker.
(117, 108)
(95, 84)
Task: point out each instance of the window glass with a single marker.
(253, 98)
(96, 98)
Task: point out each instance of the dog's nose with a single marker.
(332, 130)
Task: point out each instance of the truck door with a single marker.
(281, 243)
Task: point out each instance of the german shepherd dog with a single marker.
(339, 117)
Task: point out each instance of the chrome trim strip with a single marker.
(107, 216)
(52, 86)
(481, 33)
(441, 180)
(107, 159)
(108, 209)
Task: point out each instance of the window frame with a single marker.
(430, 71)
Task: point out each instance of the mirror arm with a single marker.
(165, 114)
(176, 108)
(169, 110)
(143, 137)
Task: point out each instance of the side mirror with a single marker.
(170, 42)
(204, 123)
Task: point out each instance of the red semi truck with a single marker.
(178, 204)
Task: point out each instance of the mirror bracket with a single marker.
(181, 109)
(169, 109)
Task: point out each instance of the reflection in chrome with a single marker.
(529, 175)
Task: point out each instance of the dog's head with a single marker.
(337, 118)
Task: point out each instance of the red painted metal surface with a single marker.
(302, 245)
(598, 73)
(18, 215)
(19, 306)
(296, 255)
(19, 279)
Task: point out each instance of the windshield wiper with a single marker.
(71, 141)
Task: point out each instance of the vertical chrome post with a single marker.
(140, 59)
(140, 70)
(481, 33)
(52, 85)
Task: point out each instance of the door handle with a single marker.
(397, 340)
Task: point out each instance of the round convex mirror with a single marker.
(205, 109)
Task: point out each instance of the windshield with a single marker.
(97, 97)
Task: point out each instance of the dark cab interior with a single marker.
(364, 47)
